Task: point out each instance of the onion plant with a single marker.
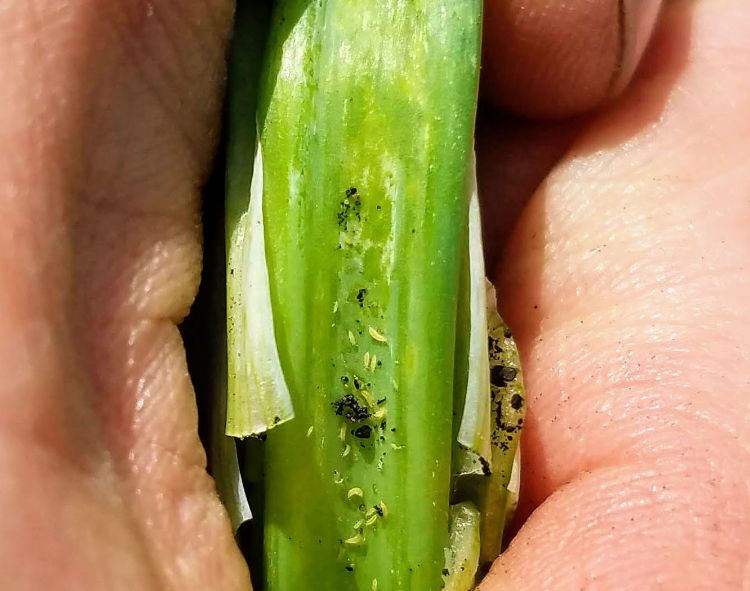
(366, 363)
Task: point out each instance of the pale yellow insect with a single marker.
(356, 540)
(376, 335)
(368, 398)
(355, 492)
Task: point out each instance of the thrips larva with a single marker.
(376, 335)
(355, 492)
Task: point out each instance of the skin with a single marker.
(625, 279)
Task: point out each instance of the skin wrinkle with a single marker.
(162, 274)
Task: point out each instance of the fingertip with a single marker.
(627, 528)
(549, 59)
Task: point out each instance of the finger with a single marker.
(111, 132)
(544, 58)
(625, 283)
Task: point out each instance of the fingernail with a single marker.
(636, 22)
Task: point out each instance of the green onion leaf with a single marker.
(474, 430)
(462, 554)
(258, 397)
(508, 410)
(358, 313)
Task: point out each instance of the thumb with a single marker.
(626, 283)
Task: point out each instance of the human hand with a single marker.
(626, 281)
(624, 286)
(109, 113)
